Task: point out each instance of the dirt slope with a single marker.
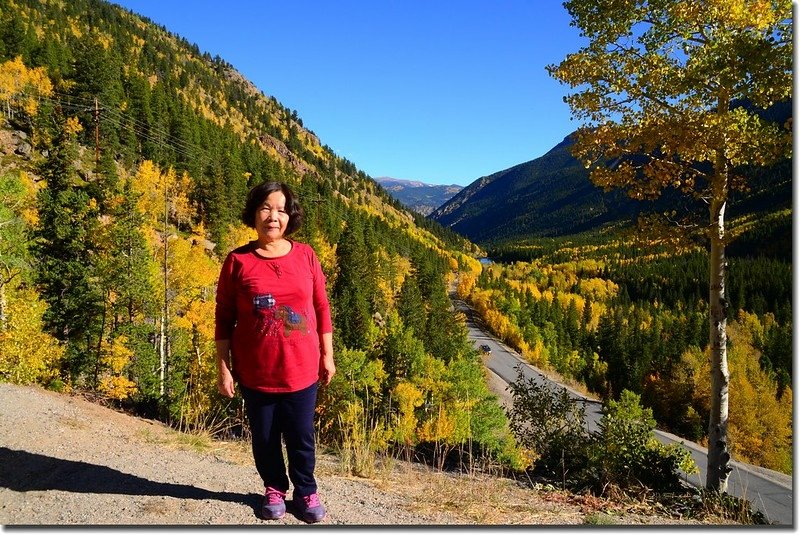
(67, 461)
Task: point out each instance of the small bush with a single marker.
(730, 508)
(552, 425)
(627, 454)
(623, 454)
(362, 442)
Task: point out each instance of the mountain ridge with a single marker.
(552, 195)
(419, 196)
(547, 196)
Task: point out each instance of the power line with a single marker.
(121, 119)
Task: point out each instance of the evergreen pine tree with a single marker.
(65, 253)
(411, 307)
(352, 315)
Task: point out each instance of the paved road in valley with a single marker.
(768, 491)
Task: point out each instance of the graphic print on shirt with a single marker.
(272, 316)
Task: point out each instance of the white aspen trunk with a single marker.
(718, 454)
(167, 354)
(99, 352)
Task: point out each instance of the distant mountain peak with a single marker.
(387, 180)
(421, 197)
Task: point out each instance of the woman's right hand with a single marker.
(225, 383)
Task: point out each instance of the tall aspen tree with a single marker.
(669, 92)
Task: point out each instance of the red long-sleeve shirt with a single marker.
(274, 311)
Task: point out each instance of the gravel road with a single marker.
(67, 461)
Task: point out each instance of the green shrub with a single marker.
(623, 453)
(550, 424)
(627, 454)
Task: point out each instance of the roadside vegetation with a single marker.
(614, 312)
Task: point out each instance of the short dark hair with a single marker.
(258, 194)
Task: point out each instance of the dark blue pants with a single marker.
(291, 416)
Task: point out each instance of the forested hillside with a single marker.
(548, 196)
(621, 310)
(126, 156)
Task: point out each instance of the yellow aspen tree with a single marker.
(147, 186)
(656, 88)
(28, 355)
(407, 398)
(236, 236)
(113, 383)
(466, 283)
(192, 276)
(326, 252)
(161, 191)
(760, 424)
(182, 209)
(22, 88)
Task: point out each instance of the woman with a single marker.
(274, 337)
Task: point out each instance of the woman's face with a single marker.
(271, 217)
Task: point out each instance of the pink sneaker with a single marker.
(274, 506)
(310, 508)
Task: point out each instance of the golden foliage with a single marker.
(27, 354)
(22, 86)
(390, 270)
(72, 126)
(466, 283)
(441, 426)
(75, 27)
(407, 397)
(182, 209)
(237, 236)
(116, 357)
(159, 192)
(146, 185)
(651, 80)
(760, 424)
(24, 204)
(192, 273)
(326, 253)
(453, 263)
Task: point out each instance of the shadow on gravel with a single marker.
(23, 471)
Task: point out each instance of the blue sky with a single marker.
(443, 92)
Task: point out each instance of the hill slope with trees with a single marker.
(126, 156)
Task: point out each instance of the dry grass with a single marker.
(198, 442)
(73, 423)
(469, 498)
(481, 499)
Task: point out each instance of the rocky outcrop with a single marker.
(15, 142)
(278, 146)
